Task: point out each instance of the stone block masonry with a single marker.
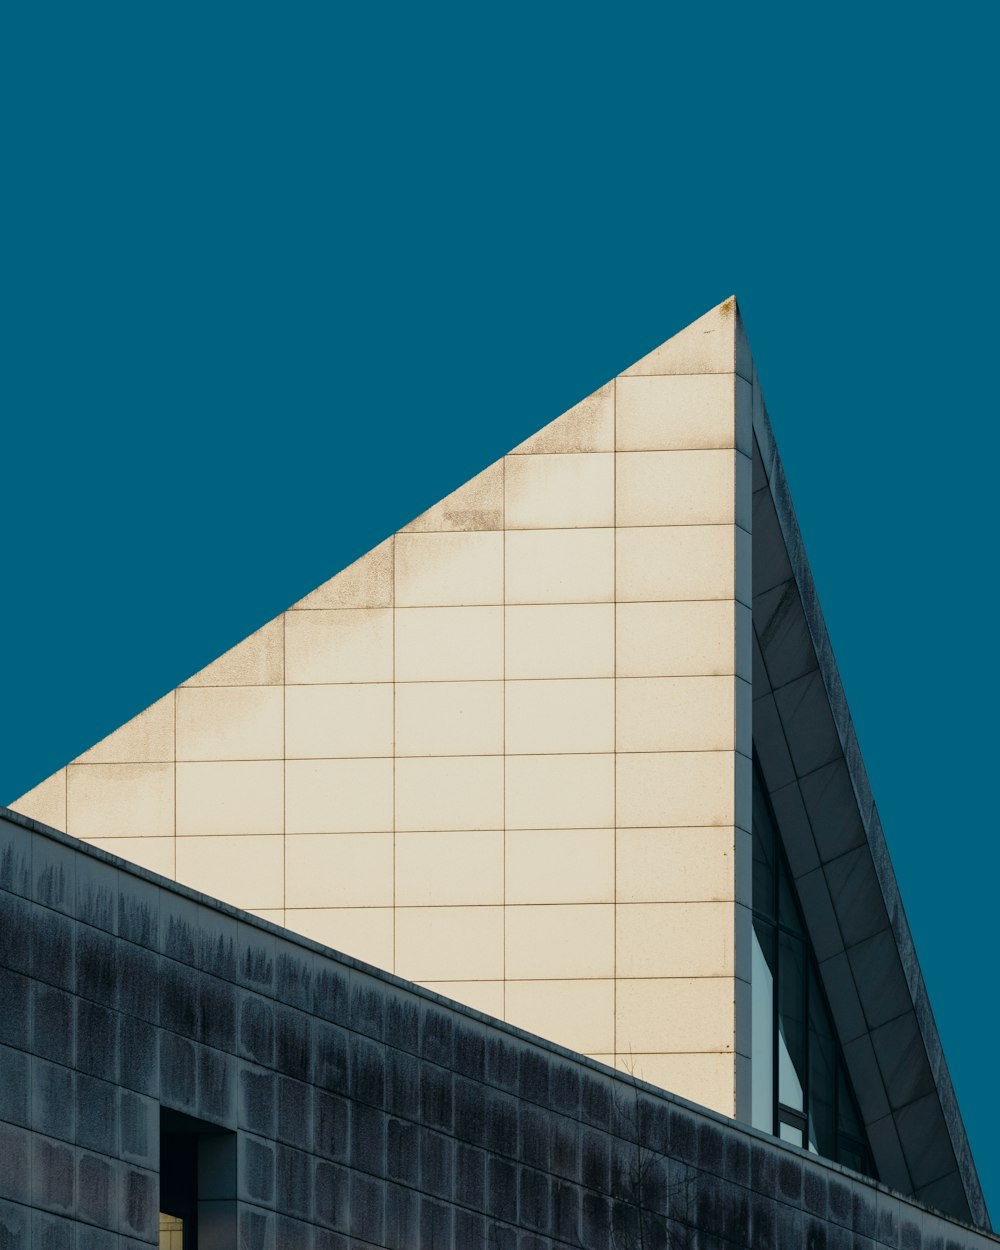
(335, 1106)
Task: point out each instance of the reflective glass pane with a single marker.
(791, 1021)
(788, 1132)
(763, 853)
(848, 1120)
(822, 1074)
(788, 912)
(762, 1027)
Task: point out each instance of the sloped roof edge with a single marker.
(835, 877)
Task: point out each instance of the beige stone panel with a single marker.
(338, 870)
(230, 723)
(560, 566)
(364, 932)
(342, 645)
(576, 1014)
(484, 996)
(276, 915)
(675, 865)
(120, 800)
(674, 939)
(560, 941)
(673, 562)
(453, 792)
(676, 488)
(560, 791)
(449, 644)
(338, 722)
(245, 871)
(338, 796)
(156, 854)
(675, 413)
(677, 788)
(46, 802)
(449, 943)
(449, 569)
(674, 1014)
(147, 738)
(478, 505)
(706, 1079)
(230, 798)
(675, 639)
(449, 718)
(588, 426)
(256, 661)
(455, 868)
(707, 345)
(560, 866)
(560, 491)
(560, 640)
(566, 715)
(367, 583)
(675, 714)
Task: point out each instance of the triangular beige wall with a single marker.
(506, 753)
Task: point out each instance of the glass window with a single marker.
(762, 1027)
(822, 1074)
(791, 1022)
(799, 1085)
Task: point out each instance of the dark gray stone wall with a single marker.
(368, 1113)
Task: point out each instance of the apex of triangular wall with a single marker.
(715, 343)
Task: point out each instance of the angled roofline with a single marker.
(808, 750)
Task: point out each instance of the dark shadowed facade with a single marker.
(162, 1050)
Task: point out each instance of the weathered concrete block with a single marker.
(294, 1182)
(15, 1175)
(257, 1102)
(96, 1115)
(97, 1186)
(437, 1164)
(255, 1170)
(97, 1040)
(16, 915)
(330, 1057)
(139, 1135)
(53, 1175)
(366, 1073)
(402, 1150)
(436, 1097)
(98, 974)
(331, 1125)
(292, 1043)
(436, 1223)
(216, 1087)
(367, 1208)
(367, 1138)
(139, 1055)
(53, 1099)
(15, 1086)
(53, 942)
(178, 1081)
(139, 1214)
(331, 1196)
(368, 1007)
(15, 1016)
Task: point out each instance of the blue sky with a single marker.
(276, 280)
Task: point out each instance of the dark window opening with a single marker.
(197, 1183)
